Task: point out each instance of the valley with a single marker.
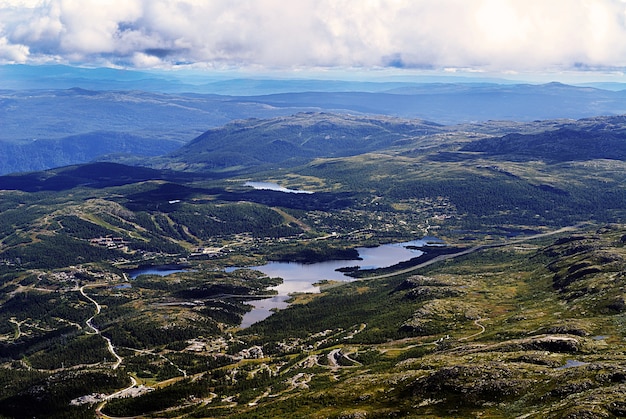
(515, 309)
(313, 209)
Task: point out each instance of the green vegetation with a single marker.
(516, 317)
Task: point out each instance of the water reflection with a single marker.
(274, 187)
(263, 309)
(299, 277)
(163, 270)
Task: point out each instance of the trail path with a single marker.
(482, 330)
(95, 330)
(18, 330)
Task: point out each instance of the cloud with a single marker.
(12, 53)
(490, 35)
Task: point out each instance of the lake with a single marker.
(299, 277)
(274, 187)
(162, 270)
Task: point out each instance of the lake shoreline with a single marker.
(301, 278)
(431, 253)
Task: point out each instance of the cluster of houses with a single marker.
(109, 242)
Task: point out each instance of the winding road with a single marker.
(18, 330)
(474, 249)
(482, 330)
(95, 330)
(128, 391)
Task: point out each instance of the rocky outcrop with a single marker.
(470, 384)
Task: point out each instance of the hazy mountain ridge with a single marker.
(153, 118)
(60, 76)
(48, 114)
(42, 154)
(457, 103)
(51, 128)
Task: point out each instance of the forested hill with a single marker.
(595, 138)
(294, 140)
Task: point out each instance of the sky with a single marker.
(507, 37)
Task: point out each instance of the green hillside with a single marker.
(288, 141)
(520, 314)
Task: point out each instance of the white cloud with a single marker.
(141, 60)
(486, 35)
(12, 53)
(24, 3)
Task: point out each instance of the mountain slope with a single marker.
(43, 129)
(46, 154)
(93, 175)
(600, 138)
(293, 140)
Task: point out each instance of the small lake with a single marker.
(571, 363)
(299, 277)
(163, 270)
(263, 309)
(274, 187)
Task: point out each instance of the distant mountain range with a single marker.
(257, 145)
(458, 103)
(47, 121)
(20, 77)
(25, 77)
